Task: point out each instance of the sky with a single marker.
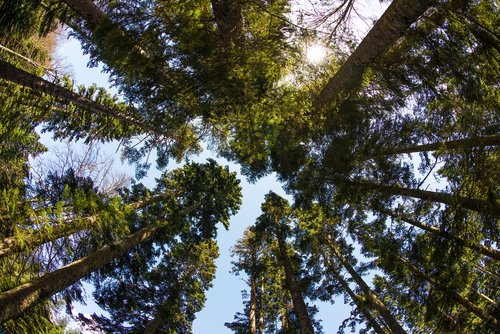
(224, 298)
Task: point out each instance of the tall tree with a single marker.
(195, 182)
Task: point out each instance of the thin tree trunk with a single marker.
(484, 141)
(122, 48)
(253, 297)
(17, 300)
(13, 74)
(299, 305)
(391, 322)
(13, 244)
(355, 298)
(481, 206)
(493, 253)
(398, 17)
(261, 307)
(153, 325)
(458, 298)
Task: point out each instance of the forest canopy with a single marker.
(388, 149)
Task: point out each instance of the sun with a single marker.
(315, 54)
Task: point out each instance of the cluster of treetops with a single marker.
(343, 137)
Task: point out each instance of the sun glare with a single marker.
(315, 54)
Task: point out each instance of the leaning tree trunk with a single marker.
(124, 53)
(458, 298)
(398, 17)
(17, 300)
(299, 305)
(13, 74)
(481, 206)
(355, 298)
(14, 244)
(493, 253)
(484, 141)
(391, 322)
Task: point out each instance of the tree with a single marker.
(276, 212)
(195, 182)
(388, 29)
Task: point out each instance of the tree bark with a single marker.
(493, 253)
(17, 300)
(398, 17)
(13, 74)
(489, 140)
(253, 296)
(363, 309)
(299, 305)
(481, 206)
(13, 244)
(458, 298)
(391, 322)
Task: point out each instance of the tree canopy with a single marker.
(388, 149)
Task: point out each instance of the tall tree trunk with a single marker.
(458, 298)
(13, 74)
(153, 325)
(261, 307)
(481, 206)
(15, 244)
(398, 17)
(228, 16)
(355, 298)
(493, 253)
(489, 140)
(88, 10)
(391, 322)
(122, 48)
(17, 300)
(253, 296)
(299, 306)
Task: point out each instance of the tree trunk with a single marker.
(371, 296)
(364, 310)
(493, 253)
(299, 306)
(87, 9)
(253, 297)
(23, 78)
(458, 298)
(481, 206)
(228, 16)
(261, 307)
(13, 244)
(489, 140)
(153, 325)
(17, 300)
(120, 49)
(398, 17)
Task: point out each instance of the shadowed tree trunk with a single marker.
(398, 17)
(484, 141)
(391, 322)
(458, 298)
(14, 244)
(493, 253)
(13, 74)
(481, 206)
(299, 305)
(17, 300)
(355, 298)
